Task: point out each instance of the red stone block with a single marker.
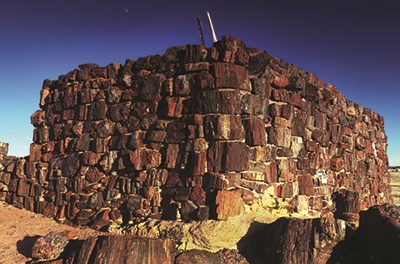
(37, 118)
(142, 159)
(23, 188)
(255, 132)
(205, 80)
(306, 185)
(218, 102)
(176, 132)
(90, 158)
(35, 152)
(279, 81)
(231, 76)
(271, 172)
(98, 110)
(171, 156)
(172, 106)
(152, 87)
(229, 203)
(70, 98)
(199, 163)
(336, 164)
(118, 112)
(184, 84)
(236, 156)
(70, 166)
(219, 127)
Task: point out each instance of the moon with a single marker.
(126, 10)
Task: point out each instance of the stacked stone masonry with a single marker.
(195, 134)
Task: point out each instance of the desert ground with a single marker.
(395, 183)
(20, 228)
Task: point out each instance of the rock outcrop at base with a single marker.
(377, 239)
(293, 240)
(118, 249)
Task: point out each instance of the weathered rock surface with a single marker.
(293, 240)
(206, 257)
(51, 246)
(119, 249)
(377, 239)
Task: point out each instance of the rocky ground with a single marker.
(395, 184)
(20, 228)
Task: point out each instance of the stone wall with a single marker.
(3, 150)
(196, 134)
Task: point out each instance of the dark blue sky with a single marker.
(354, 45)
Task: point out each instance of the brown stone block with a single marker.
(142, 159)
(35, 152)
(118, 142)
(236, 156)
(194, 53)
(151, 88)
(271, 172)
(278, 81)
(176, 132)
(306, 185)
(156, 136)
(218, 102)
(255, 132)
(100, 145)
(229, 203)
(172, 107)
(231, 76)
(105, 128)
(98, 110)
(37, 118)
(254, 105)
(90, 158)
(205, 80)
(70, 98)
(83, 142)
(118, 112)
(336, 164)
(172, 154)
(82, 112)
(215, 155)
(175, 179)
(199, 163)
(23, 188)
(70, 166)
(219, 127)
(184, 84)
(31, 169)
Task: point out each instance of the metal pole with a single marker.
(200, 30)
(212, 27)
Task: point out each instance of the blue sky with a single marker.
(354, 45)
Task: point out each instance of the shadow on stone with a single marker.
(292, 240)
(251, 246)
(24, 246)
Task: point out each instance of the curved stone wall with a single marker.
(196, 134)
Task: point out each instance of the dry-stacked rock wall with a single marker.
(3, 150)
(196, 134)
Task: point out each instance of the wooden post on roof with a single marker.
(200, 30)
(214, 37)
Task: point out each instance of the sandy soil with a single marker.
(20, 228)
(395, 184)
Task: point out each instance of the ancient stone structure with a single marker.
(3, 150)
(197, 134)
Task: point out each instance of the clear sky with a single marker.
(354, 45)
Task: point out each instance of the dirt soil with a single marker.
(20, 228)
